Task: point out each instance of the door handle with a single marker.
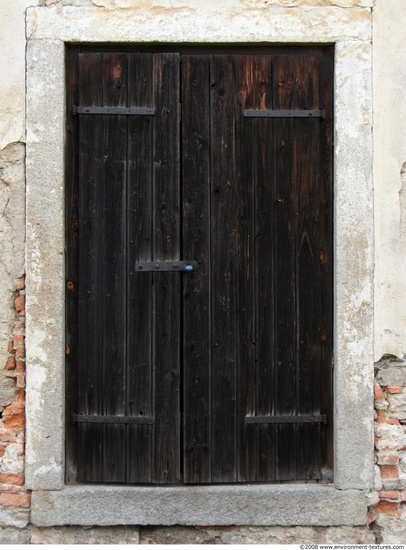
(171, 265)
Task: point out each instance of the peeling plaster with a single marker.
(12, 232)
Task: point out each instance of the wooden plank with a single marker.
(91, 223)
(285, 209)
(306, 173)
(166, 209)
(196, 288)
(72, 253)
(223, 278)
(254, 86)
(246, 84)
(115, 76)
(139, 310)
(263, 230)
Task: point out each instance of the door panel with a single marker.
(241, 347)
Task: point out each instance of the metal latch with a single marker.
(176, 265)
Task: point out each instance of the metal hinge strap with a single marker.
(287, 419)
(113, 110)
(296, 113)
(110, 419)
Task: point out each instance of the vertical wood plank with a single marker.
(91, 232)
(196, 286)
(223, 280)
(264, 163)
(166, 285)
(285, 205)
(114, 265)
(139, 303)
(246, 84)
(306, 173)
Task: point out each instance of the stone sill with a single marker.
(315, 505)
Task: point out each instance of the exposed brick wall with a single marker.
(389, 514)
(14, 500)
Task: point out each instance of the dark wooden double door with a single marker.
(222, 160)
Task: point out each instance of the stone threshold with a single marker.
(307, 504)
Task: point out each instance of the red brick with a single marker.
(20, 380)
(389, 495)
(20, 305)
(21, 396)
(21, 283)
(12, 479)
(10, 499)
(403, 495)
(20, 353)
(389, 472)
(14, 415)
(8, 435)
(394, 389)
(381, 417)
(378, 393)
(386, 507)
(11, 363)
(2, 450)
(18, 341)
(20, 365)
(10, 346)
(388, 459)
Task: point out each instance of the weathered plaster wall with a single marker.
(389, 80)
(14, 499)
(12, 173)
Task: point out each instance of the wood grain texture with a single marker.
(166, 246)
(139, 286)
(197, 335)
(249, 199)
(223, 277)
(90, 307)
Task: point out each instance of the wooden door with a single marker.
(199, 272)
